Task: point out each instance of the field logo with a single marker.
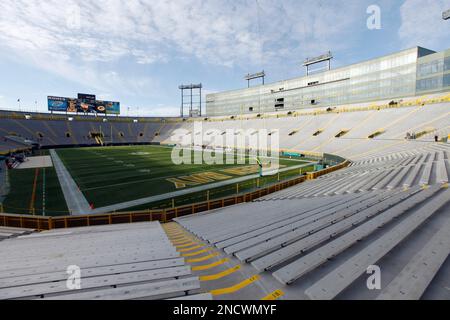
(374, 20)
(374, 281)
(231, 146)
(74, 280)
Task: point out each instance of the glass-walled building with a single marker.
(433, 73)
(393, 76)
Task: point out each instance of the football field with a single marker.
(114, 178)
(111, 175)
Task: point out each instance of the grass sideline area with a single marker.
(26, 197)
(111, 175)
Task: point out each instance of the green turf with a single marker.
(21, 189)
(111, 175)
(222, 192)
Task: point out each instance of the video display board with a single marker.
(84, 103)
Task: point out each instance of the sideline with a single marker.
(75, 200)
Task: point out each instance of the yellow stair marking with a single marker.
(220, 275)
(174, 235)
(189, 244)
(307, 122)
(322, 129)
(129, 130)
(178, 237)
(19, 123)
(210, 266)
(274, 295)
(197, 253)
(181, 242)
(236, 287)
(145, 130)
(201, 259)
(182, 239)
(191, 249)
(50, 129)
(172, 229)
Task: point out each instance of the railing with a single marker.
(162, 215)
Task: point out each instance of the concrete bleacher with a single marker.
(134, 261)
(8, 233)
(395, 123)
(64, 132)
(343, 276)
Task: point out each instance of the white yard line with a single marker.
(75, 200)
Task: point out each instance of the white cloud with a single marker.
(220, 32)
(86, 41)
(422, 24)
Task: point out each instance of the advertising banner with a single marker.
(85, 105)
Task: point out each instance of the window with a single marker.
(447, 63)
(431, 68)
(447, 80)
(430, 83)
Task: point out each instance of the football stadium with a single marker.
(299, 189)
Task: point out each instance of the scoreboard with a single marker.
(85, 103)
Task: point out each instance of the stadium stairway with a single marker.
(126, 261)
(221, 277)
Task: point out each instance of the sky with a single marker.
(139, 51)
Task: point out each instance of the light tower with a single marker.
(191, 99)
(312, 61)
(258, 75)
